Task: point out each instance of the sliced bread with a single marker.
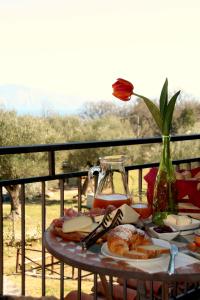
(152, 250)
(136, 255)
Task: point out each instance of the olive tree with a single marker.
(16, 131)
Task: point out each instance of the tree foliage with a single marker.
(101, 121)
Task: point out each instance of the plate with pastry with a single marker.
(126, 242)
(182, 223)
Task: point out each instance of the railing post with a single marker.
(62, 198)
(1, 242)
(51, 156)
(79, 193)
(43, 202)
(23, 239)
(140, 183)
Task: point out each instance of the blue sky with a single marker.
(57, 54)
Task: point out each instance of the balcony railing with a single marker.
(52, 175)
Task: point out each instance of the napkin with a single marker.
(181, 260)
(185, 188)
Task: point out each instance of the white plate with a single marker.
(195, 254)
(168, 236)
(186, 232)
(195, 224)
(105, 251)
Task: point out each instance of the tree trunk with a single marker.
(14, 192)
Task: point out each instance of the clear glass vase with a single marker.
(164, 200)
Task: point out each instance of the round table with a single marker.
(93, 261)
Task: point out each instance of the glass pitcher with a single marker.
(112, 186)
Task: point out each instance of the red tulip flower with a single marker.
(123, 89)
(162, 114)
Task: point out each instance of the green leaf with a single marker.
(169, 114)
(154, 110)
(164, 98)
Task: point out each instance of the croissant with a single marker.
(124, 238)
(119, 239)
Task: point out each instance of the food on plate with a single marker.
(56, 228)
(71, 236)
(187, 174)
(152, 250)
(178, 220)
(195, 244)
(73, 226)
(171, 219)
(197, 175)
(93, 212)
(129, 215)
(183, 220)
(197, 238)
(128, 241)
(163, 229)
(75, 236)
(179, 176)
(76, 224)
(136, 255)
(70, 212)
(192, 246)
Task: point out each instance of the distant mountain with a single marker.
(25, 100)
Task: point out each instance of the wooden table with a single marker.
(93, 261)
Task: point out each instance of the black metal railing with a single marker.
(61, 177)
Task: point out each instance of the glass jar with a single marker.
(112, 186)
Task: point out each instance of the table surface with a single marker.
(92, 260)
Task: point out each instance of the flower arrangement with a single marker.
(164, 200)
(162, 115)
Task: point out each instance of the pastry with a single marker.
(128, 241)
